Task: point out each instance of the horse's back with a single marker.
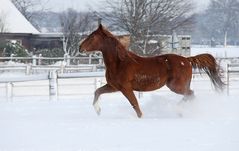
(176, 61)
(162, 64)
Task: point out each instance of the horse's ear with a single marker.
(100, 27)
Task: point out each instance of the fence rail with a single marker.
(29, 69)
(39, 60)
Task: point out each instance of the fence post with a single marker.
(67, 59)
(28, 69)
(228, 80)
(12, 55)
(94, 68)
(34, 60)
(140, 94)
(98, 82)
(90, 57)
(39, 59)
(53, 86)
(9, 90)
(62, 67)
(101, 61)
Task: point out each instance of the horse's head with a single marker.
(102, 40)
(93, 42)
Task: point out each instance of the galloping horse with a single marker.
(128, 72)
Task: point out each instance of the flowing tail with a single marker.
(207, 63)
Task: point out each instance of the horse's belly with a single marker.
(148, 87)
(147, 83)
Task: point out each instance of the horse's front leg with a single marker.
(129, 94)
(104, 89)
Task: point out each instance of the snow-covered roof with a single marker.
(14, 21)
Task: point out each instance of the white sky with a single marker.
(83, 5)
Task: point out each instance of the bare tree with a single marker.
(74, 27)
(142, 18)
(222, 16)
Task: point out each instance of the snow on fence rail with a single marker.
(39, 60)
(31, 69)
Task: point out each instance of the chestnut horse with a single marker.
(128, 72)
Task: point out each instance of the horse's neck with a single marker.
(110, 58)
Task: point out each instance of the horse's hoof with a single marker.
(97, 109)
(188, 98)
(140, 115)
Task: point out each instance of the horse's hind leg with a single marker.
(104, 89)
(180, 86)
(189, 95)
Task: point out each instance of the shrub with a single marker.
(55, 52)
(15, 49)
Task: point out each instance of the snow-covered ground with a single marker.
(208, 123)
(30, 121)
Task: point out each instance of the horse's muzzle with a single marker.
(81, 50)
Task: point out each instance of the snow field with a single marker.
(208, 123)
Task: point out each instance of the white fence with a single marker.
(232, 74)
(52, 77)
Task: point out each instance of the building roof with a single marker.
(13, 21)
